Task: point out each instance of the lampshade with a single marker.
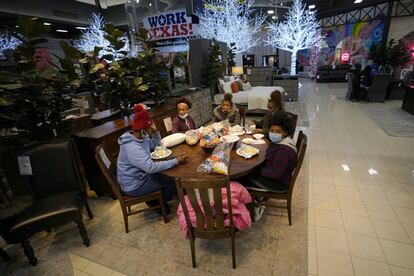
(238, 70)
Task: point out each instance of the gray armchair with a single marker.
(377, 92)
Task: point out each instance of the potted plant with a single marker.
(212, 68)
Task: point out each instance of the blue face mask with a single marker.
(275, 137)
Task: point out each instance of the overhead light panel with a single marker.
(61, 31)
(312, 6)
(274, 17)
(47, 23)
(81, 28)
(358, 1)
(270, 11)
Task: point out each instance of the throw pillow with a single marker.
(234, 87)
(227, 87)
(240, 84)
(247, 86)
(220, 86)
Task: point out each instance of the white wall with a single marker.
(400, 27)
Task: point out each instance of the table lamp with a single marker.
(237, 71)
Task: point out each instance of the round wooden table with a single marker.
(239, 166)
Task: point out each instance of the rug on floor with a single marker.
(390, 118)
(270, 247)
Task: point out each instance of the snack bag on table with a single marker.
(219, 160)
(191, 137)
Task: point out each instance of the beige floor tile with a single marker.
(352, 207)
(365, 247)
(324, 188)
(399, 254)
(406, 215)
(348, 192)
(311, 216)
(328, 219)
(381, 211)
(399, 271)
(391, 187)
(77, 272)
(331, 263)
(331, 239)
(78, 262)
(364, 267)
(390, 230)
(311, 236)
(116, 273)
(400, 200)
(410, 230)
(373, 196)
(97, 270)
(322, 178)
(347, 181)
(358, 225)
(330, 204)
(312, 261)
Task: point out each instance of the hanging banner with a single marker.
(170, 28)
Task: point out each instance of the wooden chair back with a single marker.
(294, 118)
(108, 168)
(299, 139)
(301, 155)
(164, 125)
(201, 195)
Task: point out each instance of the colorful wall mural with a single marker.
(348, 43)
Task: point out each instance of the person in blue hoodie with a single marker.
(137, 173)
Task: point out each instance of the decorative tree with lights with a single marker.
(8, 41)
(299, 31)
(232, 22)
(95, 36)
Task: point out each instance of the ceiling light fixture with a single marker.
(150, 4)
(61, 31)
(312, 6)
(81, 28)
(270, 11)
(274, 17)
(358, 1)
(47, 23)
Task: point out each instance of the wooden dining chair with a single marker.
(287, 194)
(210, 224)
(108, 168)
(299, 139)
(294, 121)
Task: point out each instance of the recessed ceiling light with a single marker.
(270, 11)
(358, 1)
(312, 6)
(17, 26)
(81, 28)
(274, 17)
(61, 31)
(47, 23)
(150, 4)
(281, 4)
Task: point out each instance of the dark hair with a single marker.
(276, 99)
(183, 100)
(228, 97)
(284, 120)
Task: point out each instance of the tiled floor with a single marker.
(361, 190)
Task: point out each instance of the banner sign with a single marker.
(170, 28)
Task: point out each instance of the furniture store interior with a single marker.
(207, 137)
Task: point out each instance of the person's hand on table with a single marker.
(182, 158)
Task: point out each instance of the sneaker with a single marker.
(258, 212)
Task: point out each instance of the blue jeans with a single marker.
(154, 183)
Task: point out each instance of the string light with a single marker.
(8, 41)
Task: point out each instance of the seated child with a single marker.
(227, 111)
(182, 122)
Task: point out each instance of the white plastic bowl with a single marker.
(258, 136)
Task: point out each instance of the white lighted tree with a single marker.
(299, 31)
(7, 41)
(231, 21)
(94, 36)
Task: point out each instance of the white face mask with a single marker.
(183, 116)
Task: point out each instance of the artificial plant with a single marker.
(34, 93)
(230, 57)
(391, 53)
(213, 67)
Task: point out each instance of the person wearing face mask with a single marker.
(182, 122)
(137, 173)
(275, 103)
(227, 111)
